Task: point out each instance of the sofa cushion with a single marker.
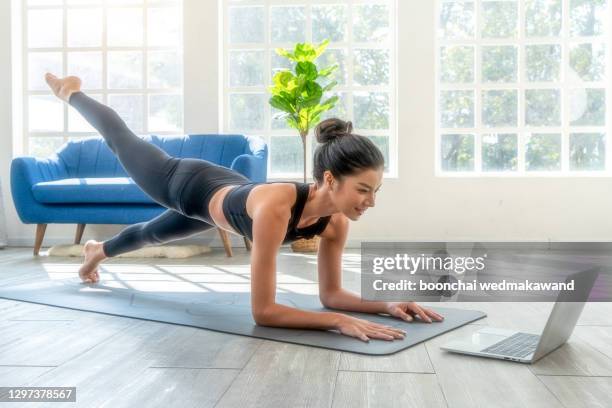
(92, 190)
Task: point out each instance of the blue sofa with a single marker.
(84, 183)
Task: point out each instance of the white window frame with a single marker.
(104, 49)
(521, 41)
(268, 47)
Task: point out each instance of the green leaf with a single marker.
(284, 53)
(304, 52)
(325, 106)
(288, 88)
(282, 78)
(288, 96)
(281, 104)
(301, 82)
(331, 101)
(312, 94)
(293, 122)
(319, 50)
(314, 121)
(315, 109)
(330, 86)
(308, 69)
(328, 71)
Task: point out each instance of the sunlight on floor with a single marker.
(93, 289)
(180, 278)
(60, 271)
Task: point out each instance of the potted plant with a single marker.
(298, 96)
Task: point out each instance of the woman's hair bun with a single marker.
(332, 128)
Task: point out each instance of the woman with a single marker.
(201, 195)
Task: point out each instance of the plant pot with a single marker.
(306, 245)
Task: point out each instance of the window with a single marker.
(128, 54)
(362, 42)
(523, 87)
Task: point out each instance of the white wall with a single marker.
(6, 128)
(5, 108)
(416, 205)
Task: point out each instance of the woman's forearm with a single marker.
(351, 302)
(284, 316)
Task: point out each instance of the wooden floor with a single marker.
(123, 362)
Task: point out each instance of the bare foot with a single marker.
(63, 87)
(94, 254)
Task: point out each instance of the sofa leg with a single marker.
(226, 241)
(247, 243)
(40, 234)
(79, 233)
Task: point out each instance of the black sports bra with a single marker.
(234, 209)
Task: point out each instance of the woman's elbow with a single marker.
(263, 316)
(328, 301)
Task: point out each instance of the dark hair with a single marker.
(342, 152)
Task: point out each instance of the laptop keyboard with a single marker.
(517, 345)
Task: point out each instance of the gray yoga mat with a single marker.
(229, 313)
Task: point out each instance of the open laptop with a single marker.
(526, 347)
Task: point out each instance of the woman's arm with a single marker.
(332, 294)
(269, 229)
(329, 264)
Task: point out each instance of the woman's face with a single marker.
(356, 193)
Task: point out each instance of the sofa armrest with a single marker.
(25, 173)
(36, 169)
(252, 167)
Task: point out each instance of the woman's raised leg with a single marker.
(150, 167)
(168, 226)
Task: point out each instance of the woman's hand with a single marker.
(366, 330)
(408, 310)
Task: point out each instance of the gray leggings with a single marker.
(184, 186)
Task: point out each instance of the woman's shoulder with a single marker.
(277, 190)
(275, 198)
(277, 193)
